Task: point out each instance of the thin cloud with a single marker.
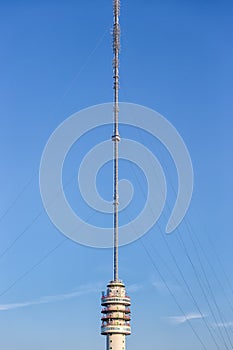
(162, 288)
(82, 290)
(185, 318)
(133, 288)
(224, 324)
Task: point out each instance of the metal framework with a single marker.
(116, 136)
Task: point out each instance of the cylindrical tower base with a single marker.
(115, 341)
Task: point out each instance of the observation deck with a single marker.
(116, 312)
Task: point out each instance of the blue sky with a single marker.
(176, 58)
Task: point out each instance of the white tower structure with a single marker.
(115, 312)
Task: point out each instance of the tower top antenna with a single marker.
(116, 136)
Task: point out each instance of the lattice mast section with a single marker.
(116, 136)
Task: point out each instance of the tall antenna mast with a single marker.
(116, 136)
(116, 304)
